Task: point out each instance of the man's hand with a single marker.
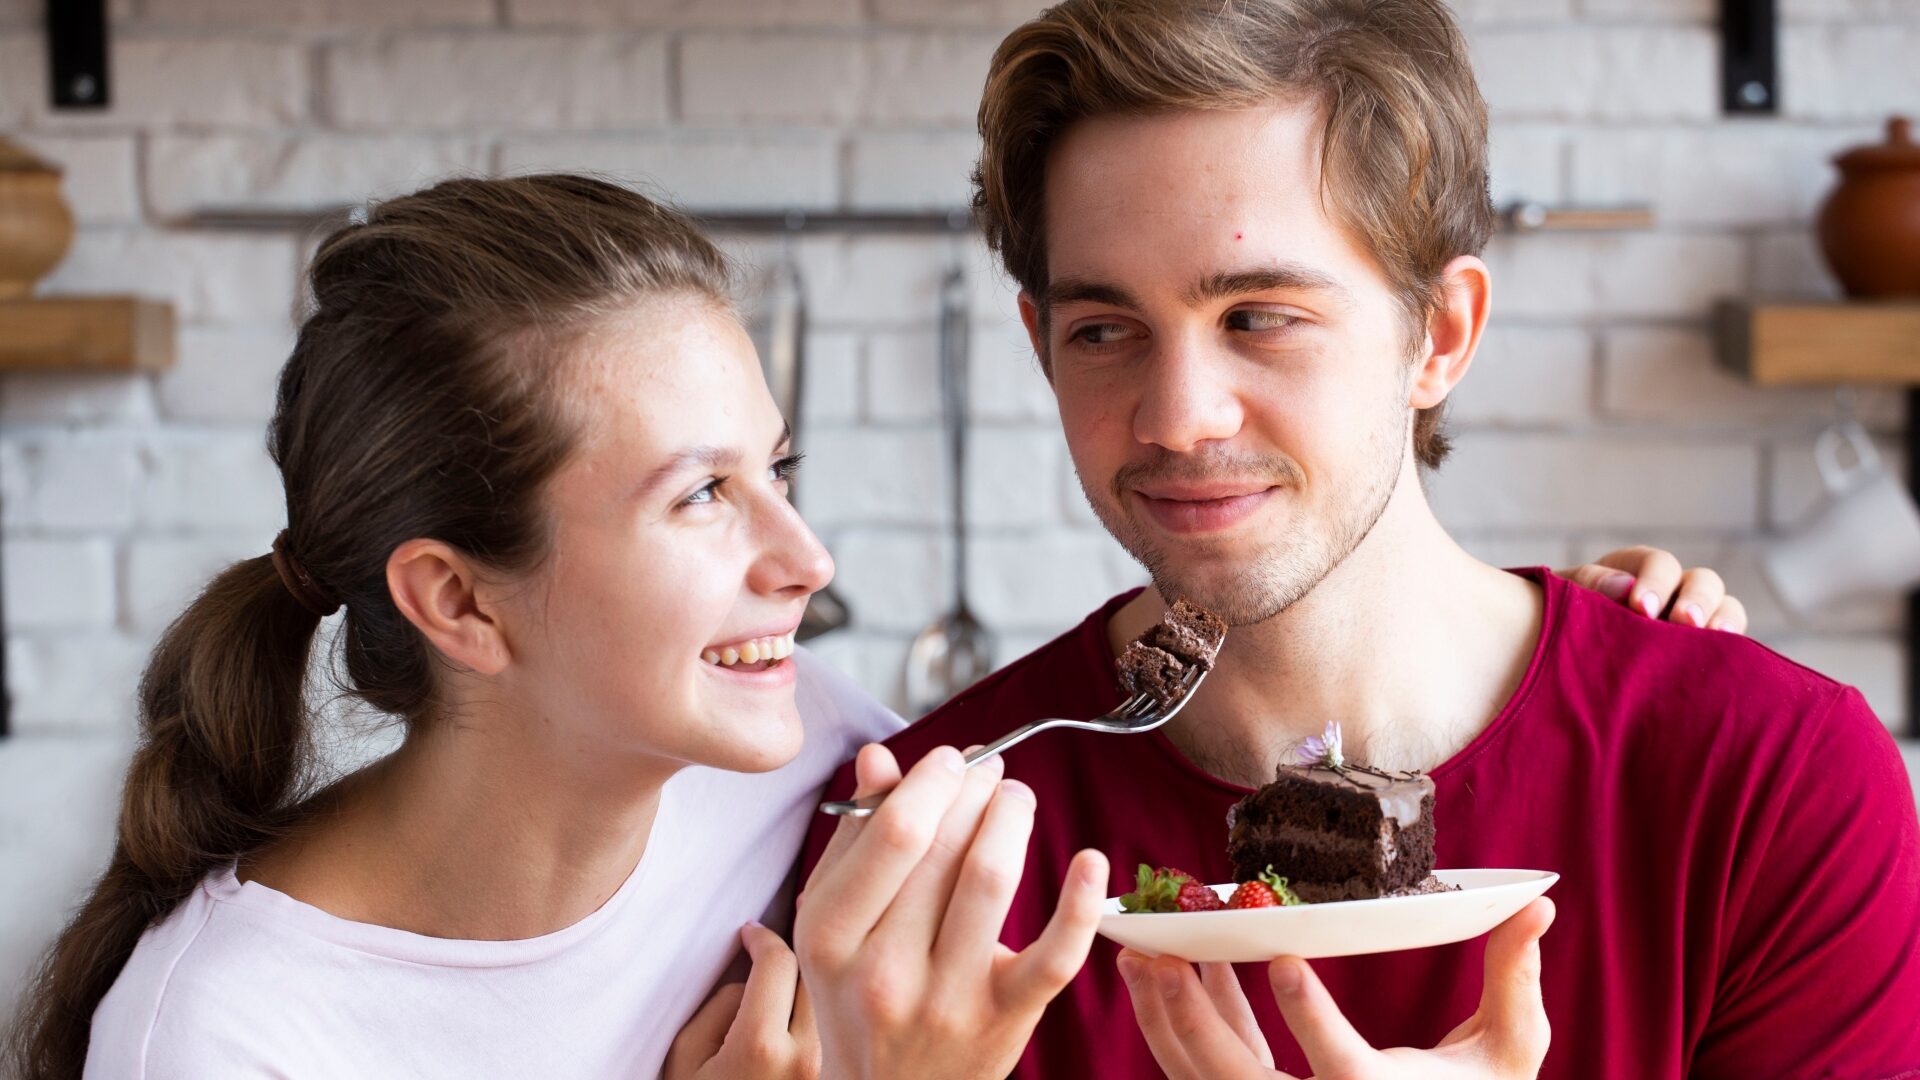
(762, 1030)
(1652, 582)
(898, 928)
(1201, 1028)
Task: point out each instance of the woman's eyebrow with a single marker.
(708, 457)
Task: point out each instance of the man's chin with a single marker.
(1226, 595)
(1241, 587)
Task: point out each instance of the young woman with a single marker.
(527, 448)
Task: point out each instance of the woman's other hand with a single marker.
(758, 1030)
(1654, 583)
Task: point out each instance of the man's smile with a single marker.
(1201, 508)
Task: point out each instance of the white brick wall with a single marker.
(528, 81)
(273, 172)
(1593, 416)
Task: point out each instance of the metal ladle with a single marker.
(956, 651)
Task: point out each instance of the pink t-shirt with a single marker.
(1735, 835)
(245, 981)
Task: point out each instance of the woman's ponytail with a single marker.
(223, 751)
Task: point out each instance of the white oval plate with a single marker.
(1486, 899)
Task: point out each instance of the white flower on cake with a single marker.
(1323, 749)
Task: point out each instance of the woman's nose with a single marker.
(792, 560)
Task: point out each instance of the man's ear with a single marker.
(1036, 333)
(436, 589)
(1453, 331)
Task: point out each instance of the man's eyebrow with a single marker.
(1228, 283)
(1088, 291)
(1224, 283)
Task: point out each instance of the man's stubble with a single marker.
(1286, 568)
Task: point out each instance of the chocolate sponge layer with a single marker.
(1346, 834)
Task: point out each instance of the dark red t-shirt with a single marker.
(1736, 839)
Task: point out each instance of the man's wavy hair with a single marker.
(1404, 145)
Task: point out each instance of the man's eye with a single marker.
(1099, 333)
(1254, 319)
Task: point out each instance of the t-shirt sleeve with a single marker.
(1819, 967)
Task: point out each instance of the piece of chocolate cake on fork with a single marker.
(1156, 662)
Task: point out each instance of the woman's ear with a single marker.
(1453, 331)
(436, 589)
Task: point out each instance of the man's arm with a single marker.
(1820, 958)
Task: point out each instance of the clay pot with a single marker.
(35, 225)
(1870, 225)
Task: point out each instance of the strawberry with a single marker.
(1157, 890)
(1252, 894)
(1266, 890)
(1197, 897)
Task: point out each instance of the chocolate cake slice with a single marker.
(1337, 831)
(1187, 637)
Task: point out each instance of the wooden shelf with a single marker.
(91, 333)
(1782, 343)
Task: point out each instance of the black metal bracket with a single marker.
(77, 53)
(1749, 57)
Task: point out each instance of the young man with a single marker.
(1247, 240)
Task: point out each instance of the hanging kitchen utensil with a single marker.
(956, 651)
(780, 324)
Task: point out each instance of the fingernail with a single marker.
(1168, 978)
(951, 758)
(1129, 969)
(1014, 789)
(1286, 977)
(1616, 586)
(1695, 615)
(1650, 605)
(1092, 872)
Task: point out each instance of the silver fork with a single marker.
(1139, 713)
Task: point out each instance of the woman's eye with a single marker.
(1253, 319)
(1099, 333)
(785, 467)
(705, 495)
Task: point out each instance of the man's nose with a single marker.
(1187, 398)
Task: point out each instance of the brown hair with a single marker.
(1405, 142)
(421, 400)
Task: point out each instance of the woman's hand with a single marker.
(1652, 582)
(760, 1030)
(1201, 1028)
(898, 929)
